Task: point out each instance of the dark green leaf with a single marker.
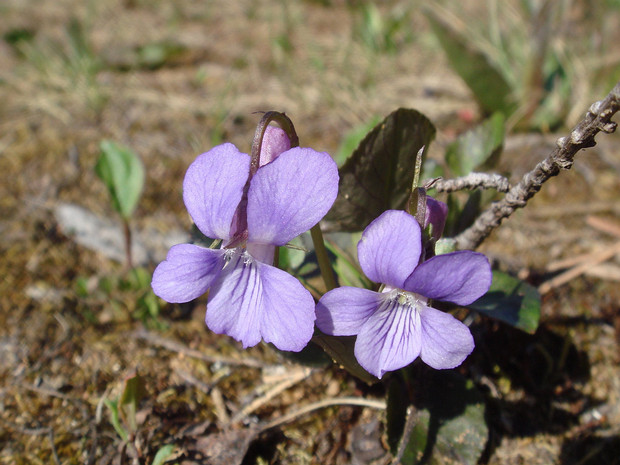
(340, 348)
(450, 425)
(476, 147)
(469, 212)
(396, 413)
(123, 174)
(312, 355)
(511, 301)
(487, 83)
(14, 36)
(378, 175)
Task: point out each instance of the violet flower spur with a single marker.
(249, 299)
(397, 325)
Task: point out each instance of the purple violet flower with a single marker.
(397, 325)
(249, 299)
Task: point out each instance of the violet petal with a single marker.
(235, 305)
(187, 272)
(390, 339)
(288, 310)
(213, 187)
(290, 195)
(390, 248)
(460, 277)
(446, 342)
(262, 252)
(344, 310)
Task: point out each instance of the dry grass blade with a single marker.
(606, 271)
(358, 401)
(295, 377)
(604, 225)
(594, 259)
(571, 261)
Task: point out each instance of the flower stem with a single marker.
(127, 236)
(321, 255)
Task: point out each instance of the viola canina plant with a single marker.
(253, 204)
(398, 324)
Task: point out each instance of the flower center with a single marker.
(410, 299)
(235, 255)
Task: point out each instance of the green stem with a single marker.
(321, 255)
(127, 234)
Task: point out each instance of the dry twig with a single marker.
(597, 119)
(473, 181)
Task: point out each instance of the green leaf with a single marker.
(344, 249)
(138, 279)
(378, 175)
(292, 257)
(157, 54)
(163, 454)
(81, 287)
(476, 147)
(133, 392)
(123, 174)
(115, 419)
(445, 245)
(488, 84)
(512, 301)
(450, 425)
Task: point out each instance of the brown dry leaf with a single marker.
(228, 447)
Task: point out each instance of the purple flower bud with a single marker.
(436, 214)
(275, 141)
